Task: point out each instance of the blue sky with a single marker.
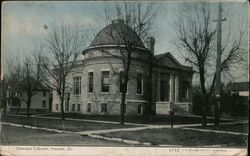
(23, 22)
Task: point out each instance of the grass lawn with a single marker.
(157, 119)
(11, 135)
(177, 136)
(242, 128)
(61, 124)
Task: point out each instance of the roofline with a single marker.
(183, 67)
(111, 46)
(171, 56)
(175, 68)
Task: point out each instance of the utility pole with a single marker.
(218, 65)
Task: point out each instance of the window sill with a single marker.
(104, 92)
(126, 93)
(139, 94)
(103, 113)
(76, 95)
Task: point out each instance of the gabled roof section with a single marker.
(168, 60)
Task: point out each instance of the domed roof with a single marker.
(117, 33)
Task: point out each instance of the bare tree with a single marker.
(4, 87)
(32, 77)
(64, 43)
(25, 78)
(140, 17)
(13, 78)
(196, 35)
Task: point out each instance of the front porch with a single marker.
(175, 89)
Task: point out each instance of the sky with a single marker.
(23, 22)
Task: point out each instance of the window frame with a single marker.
(88, 107)
(44, 104)
(90, 85)
(44, 93)
(73, 107)
(120, 89)
(139, 107)
(57, 107)
(104, 109)
(142, 82)
(103, 85)
(77, 85)
(78, 107)
(67, 102)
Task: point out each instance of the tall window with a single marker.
(91, 81)
(103, 107)
(73, 107)
(57, 107)
(105, 81)
(139, 84)
(184, 89)
(139, 109)
(78, 107)
(67, 102)
(44, 103)
(89, 107)
(44, 93)
(77, 85)
(121, 82)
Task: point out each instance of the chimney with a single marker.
(150, 43)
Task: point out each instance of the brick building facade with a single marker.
(94, 85)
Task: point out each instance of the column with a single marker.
(171, 86)
(176, 88)
(158, 85)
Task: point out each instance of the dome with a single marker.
(117, 33)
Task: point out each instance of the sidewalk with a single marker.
(145, 126)
(87, 120)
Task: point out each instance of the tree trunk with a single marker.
(28, 106)
(204, 112)
(217, 113)
(62, 110)
(18, 107)
(122, 107)
(62, 100)
(205, 97)
(123, 98)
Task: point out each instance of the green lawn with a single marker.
(19, 136)
(177, 136)
(65, 125)
(157, 119)
(242, 128)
